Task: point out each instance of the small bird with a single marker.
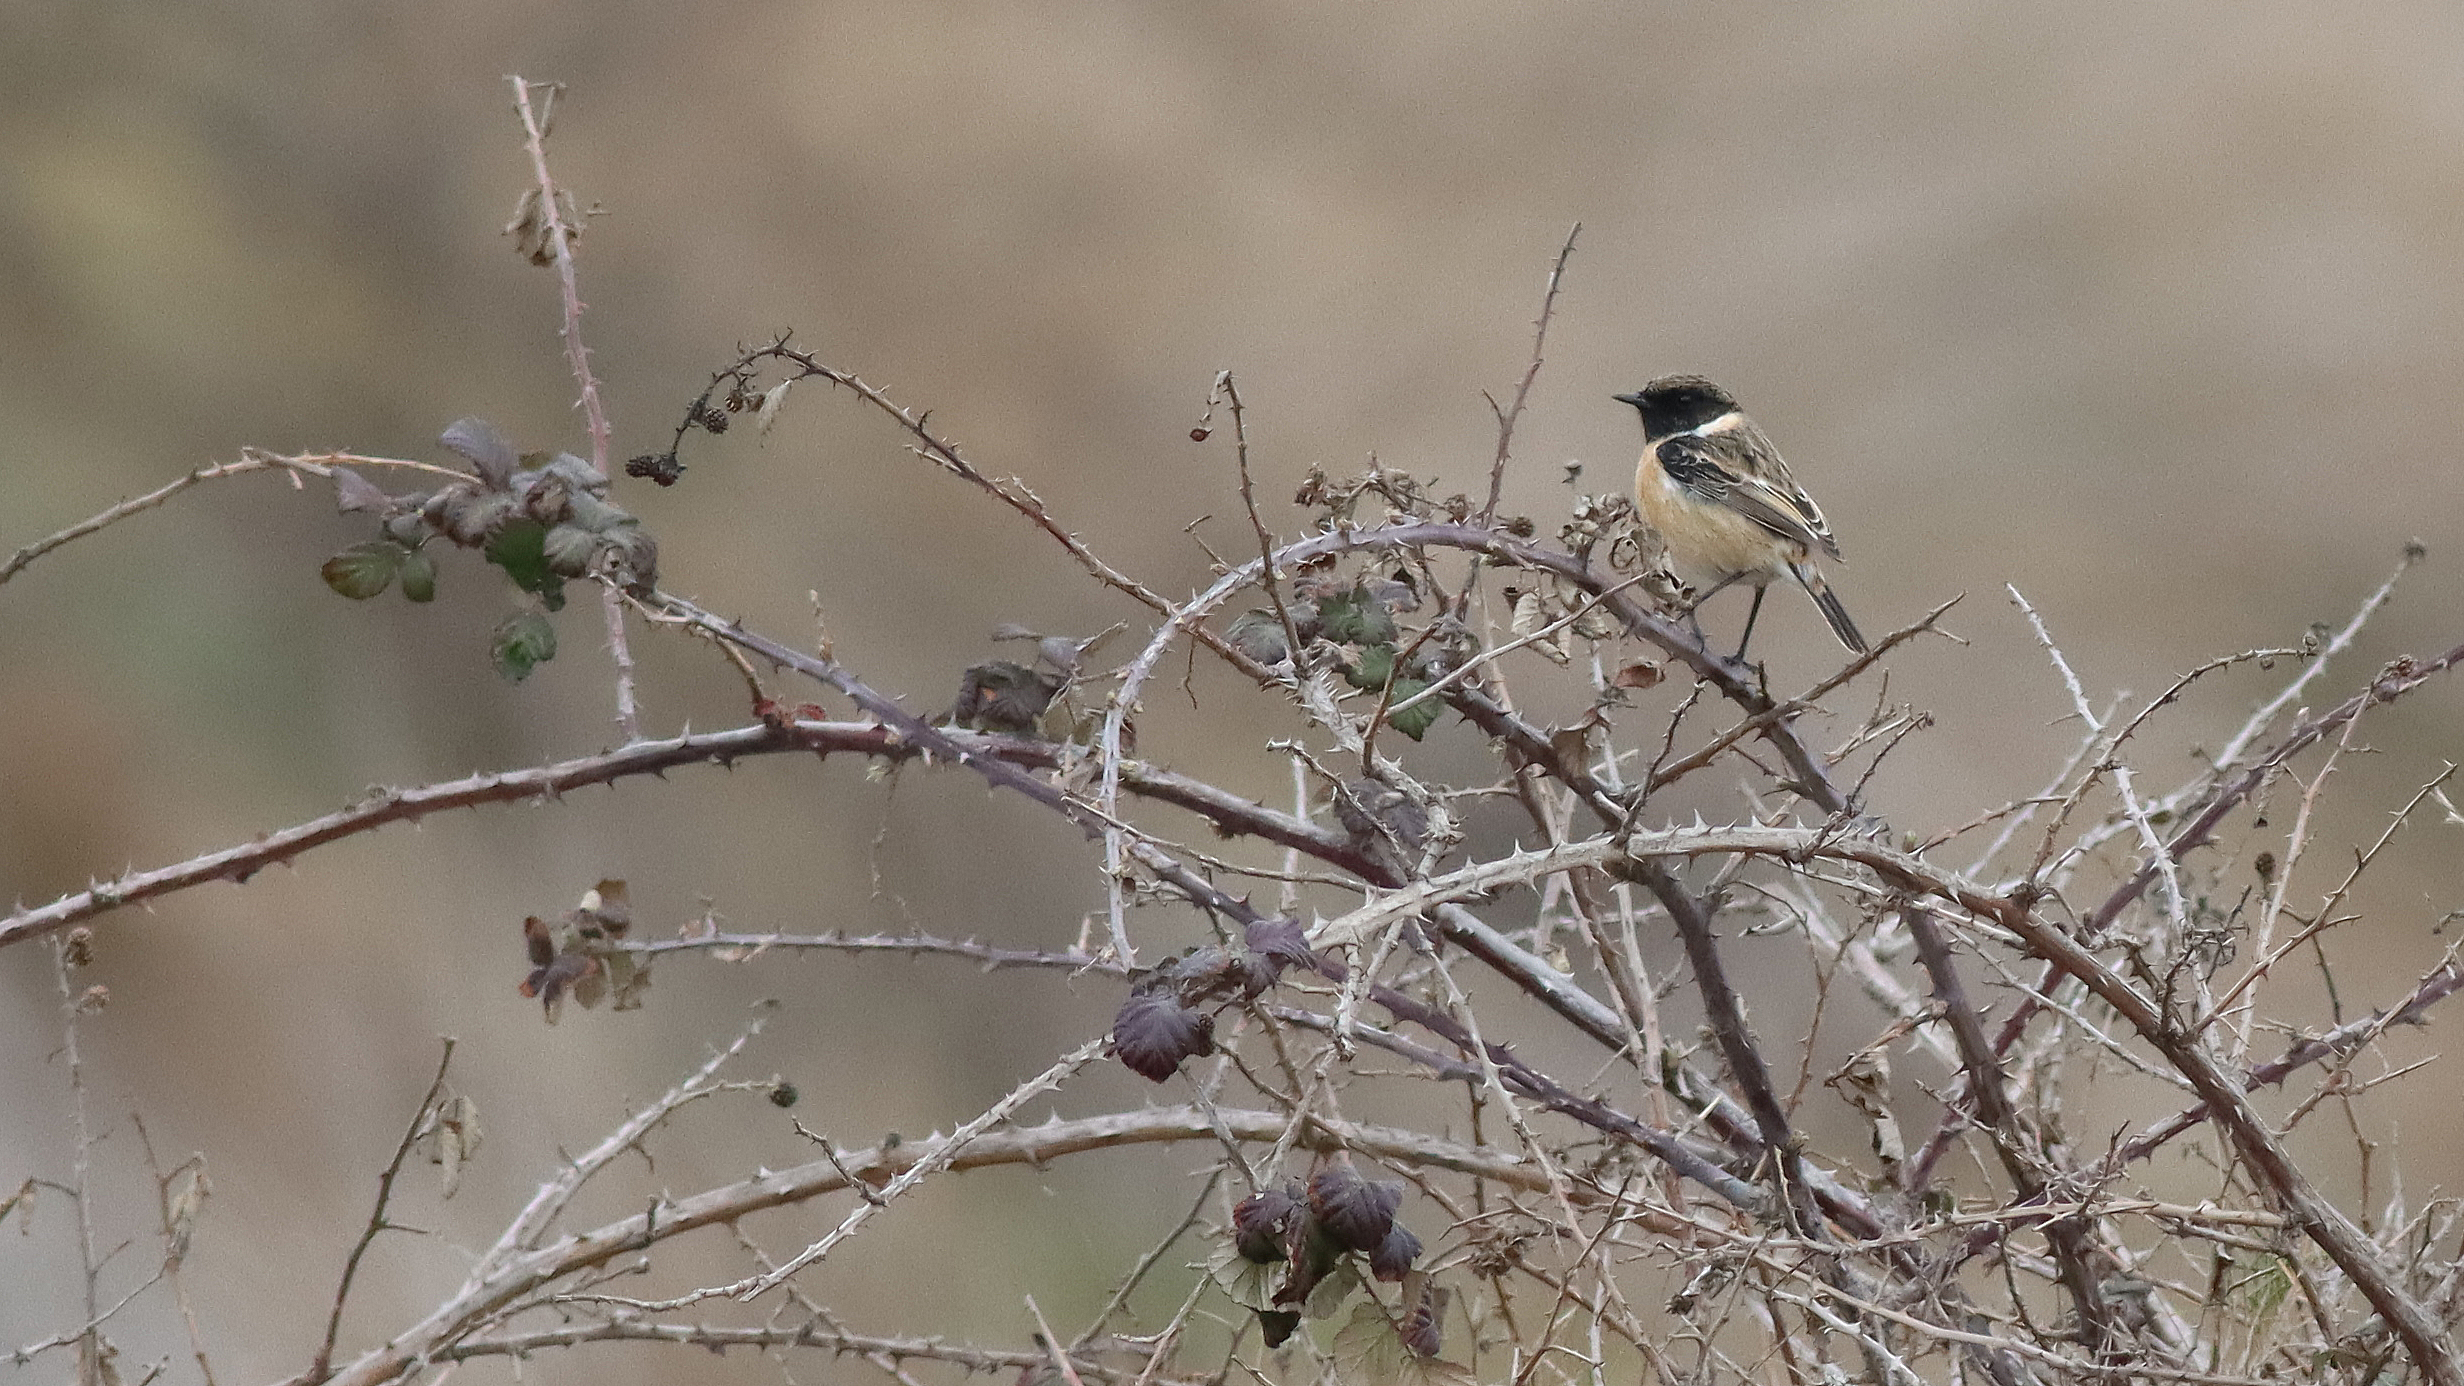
(1718, 493)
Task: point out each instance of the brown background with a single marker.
(2155, 314)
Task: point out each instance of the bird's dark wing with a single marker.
(1721, 469)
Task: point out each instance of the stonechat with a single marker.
(1718, 493)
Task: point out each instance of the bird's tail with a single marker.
(1828, 602)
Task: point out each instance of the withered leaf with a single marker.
(609, 907)
(1394, 1256)
(355, 492)
(1262, 1224)
(452, 1138)
(535, 939)
(1356, 1213)
(490, 455)
(549, 983)
(1283, 940)
(1155, 1031)
(768, 413)
(190, 1190)
(1640, 674)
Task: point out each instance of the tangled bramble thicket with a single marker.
(1680, 1206)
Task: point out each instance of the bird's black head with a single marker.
(1676, 403)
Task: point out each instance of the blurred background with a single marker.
(2154, 313)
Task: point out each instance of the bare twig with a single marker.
(1522, 391)
(943, 1152)
(177, 1213)
(321, 1366)
(251, 460)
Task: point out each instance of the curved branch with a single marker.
(1229, 812)
(507, 1284)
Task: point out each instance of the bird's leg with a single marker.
(1748, 637)
(1693, 609)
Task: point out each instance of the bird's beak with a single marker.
(1635, 399)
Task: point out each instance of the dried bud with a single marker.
(661, 467)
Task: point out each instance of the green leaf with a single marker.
(1355, 618)
(364, 570)
(520, 549)
(1249, 1283)
(1415, 721)
(1369, 672)
(523, 642)
(419, 576)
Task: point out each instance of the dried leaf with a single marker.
(1424, 1321)
(1262, 1225)
(768, 412)
(468, 515)
(628, 977)
(1281, 941)
(1154, 1031)
(550, 983)
(355, 492)
(566, 549)
(1355, 1212)
(1640, 674)
(609, 907)
(1532, 614)
(190, 1189)
(535, 939)
(452, 1138)
(632, 556)
(490, 455)
(1394, 1256)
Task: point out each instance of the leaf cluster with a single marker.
(542, 518)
